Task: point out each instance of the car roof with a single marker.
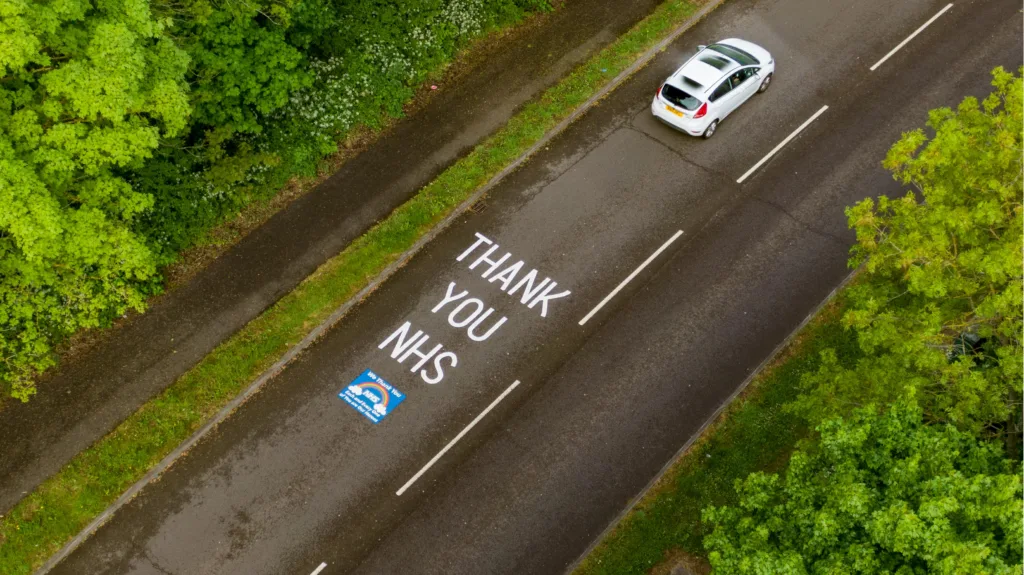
(701, 73)
(706, 69)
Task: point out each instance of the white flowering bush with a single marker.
(467, 16)
(378, 73)
(363, 62)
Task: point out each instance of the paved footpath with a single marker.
(87, 397)
(522, 424)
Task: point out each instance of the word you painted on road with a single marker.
(471, 313)
(370, 395)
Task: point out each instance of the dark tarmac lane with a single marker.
(297, 477)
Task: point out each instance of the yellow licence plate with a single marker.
(674, 111)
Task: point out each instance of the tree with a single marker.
(877, 494)
(128, 128)
(938, 305)
(245, 66)
(87, 91)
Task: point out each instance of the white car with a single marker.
(711, 84)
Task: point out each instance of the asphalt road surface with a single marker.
(298, 478)
(89, 394)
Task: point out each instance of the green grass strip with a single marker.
(752, 434)
(63, 505)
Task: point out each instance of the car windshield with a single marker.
(679, 98)
(740, 56)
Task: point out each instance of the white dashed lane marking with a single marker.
(911, 37)
(619, 287)
(776, 149)
(451, 443)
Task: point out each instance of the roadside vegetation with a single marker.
(887, 439)
(130, 129)
(48, 517)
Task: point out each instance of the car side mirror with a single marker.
(700, 47)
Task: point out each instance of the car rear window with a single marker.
(692, 84)
(678, 97)
(735, 53)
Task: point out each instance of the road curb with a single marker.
(707, 423)
(377, 281)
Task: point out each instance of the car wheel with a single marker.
(710, 130)
(764, 84)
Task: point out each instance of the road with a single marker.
(89, 394)
(297, 478)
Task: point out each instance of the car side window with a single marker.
(749, 73)
(721, 90)
(738, 78)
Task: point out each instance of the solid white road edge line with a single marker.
(630, 277)
(781, 144)
(319, 569)
(911, 37)
(441, 453)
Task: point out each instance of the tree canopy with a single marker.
(938, 305)
(878, 494)
(88, 90)
(916, 465)
(128, 128)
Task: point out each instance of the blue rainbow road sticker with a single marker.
(370, 395)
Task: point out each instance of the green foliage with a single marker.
(942, 267)
(128, 128)
(878, 494)
(937, 314)
(244, 65)
(278, 84)
(87, 91)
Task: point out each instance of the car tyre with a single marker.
(764, 84)
(710, 130)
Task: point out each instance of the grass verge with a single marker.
(48, 517)
(752, 434)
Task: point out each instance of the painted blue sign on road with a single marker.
(370, 395)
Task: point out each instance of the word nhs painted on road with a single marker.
(533, 293)
(406, 347)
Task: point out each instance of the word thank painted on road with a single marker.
(533, 293)
(370, 395)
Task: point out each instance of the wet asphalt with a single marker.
(89, 395)
(297, 477)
